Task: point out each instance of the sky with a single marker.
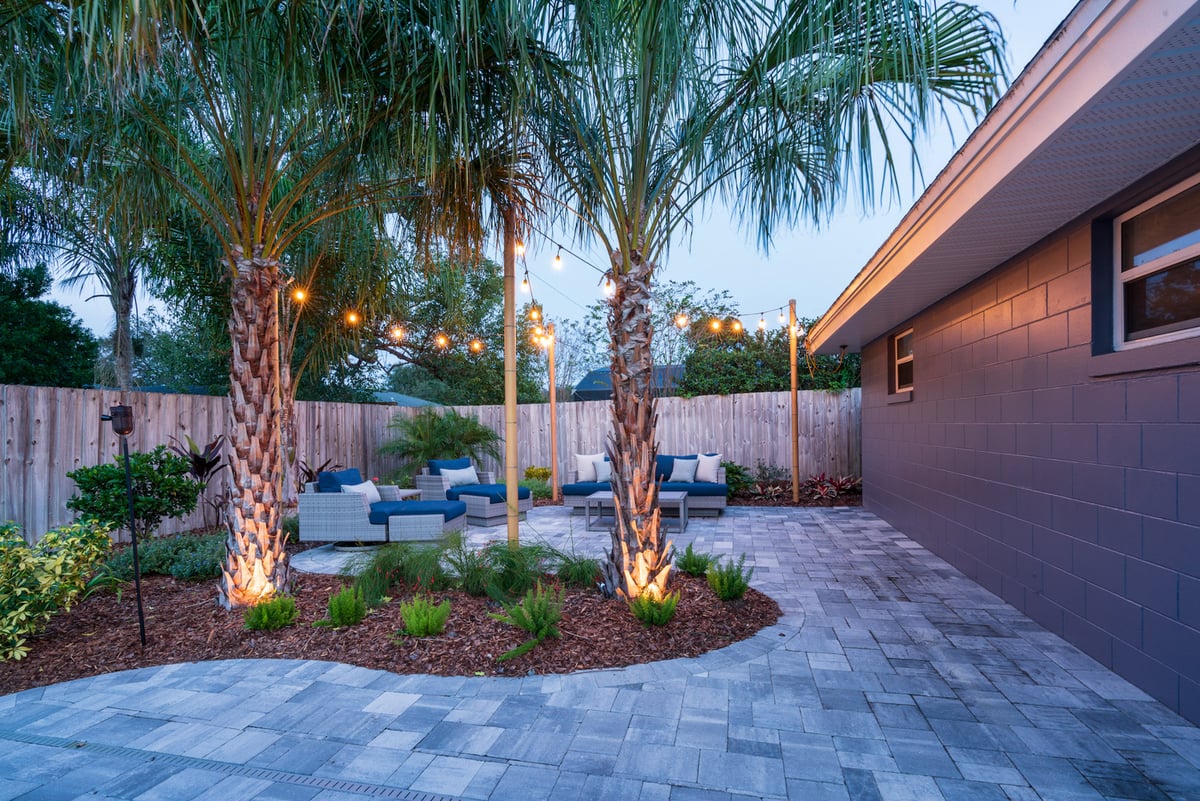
(810, 265)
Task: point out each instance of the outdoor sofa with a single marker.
(458, 480)
(704, 497)
(337, 507)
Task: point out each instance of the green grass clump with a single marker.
(730, 580)
(538, 614)
(694, 564)
(653, 611)
(346, 608)
(422, 618)
(269, 615)
(574, 570)
(473, 570)
(517, 570)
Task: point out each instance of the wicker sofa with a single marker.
(704, 497)
(487, 501)
(328, 514)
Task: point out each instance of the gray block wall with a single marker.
(1074, 498)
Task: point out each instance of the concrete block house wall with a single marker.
(1075, 498)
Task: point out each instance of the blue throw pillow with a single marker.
(663, 465)
(332, 481)
(436, 465)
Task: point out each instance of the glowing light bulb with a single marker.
(715, 325)
(609, 287)
(538, 330)
(299, 295)
(476, 346)
(352, 318)
(520, 248)
(525, 285)
(762, 323)
(558, 260)
(442, 340)
(736, 326)
(782, 318)
(534, 314)
(397, 332)
(681, 320)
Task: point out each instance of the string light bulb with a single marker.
(538, 330)
(442, 340)
(534, 314)
(715, 325)
(736, 326)
(782, 318)
(609, 287)
(476, 346)
(681, 320)
(520, 249)
(558, 259)
(299, 295)
(397, 332)
(525, 285)
(762, 323)
(352, 318)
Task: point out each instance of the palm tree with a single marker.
(776, 109)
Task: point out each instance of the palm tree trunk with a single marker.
(256, 565)
(122, 302)
(639, 560)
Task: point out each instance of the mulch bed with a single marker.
(184, 623)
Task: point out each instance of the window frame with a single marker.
(1120, 279)
(895, 360)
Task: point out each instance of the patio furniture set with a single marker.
(343, 507)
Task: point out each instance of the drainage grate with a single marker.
(229, 768)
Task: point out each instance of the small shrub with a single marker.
(768, 473)
(517, 570)
(183, 556)
(538, 614)
(422, 618)
(375, 579)
(542, 474)
(538, 488)
(473, 570)
(730, 580)
(424, 569)
(653, 611)
(694, 564)
(737, 478)
(38, 581)
(162, 488)
(346, 608)
(272, 614)
(574, 570)
(291, 526)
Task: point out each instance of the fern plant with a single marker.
(730, 580)
(422, 618)
(694, 564)
(346, 608)
(537, 614)
(272, 614)
(653, 611)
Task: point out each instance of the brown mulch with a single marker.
(184, 623)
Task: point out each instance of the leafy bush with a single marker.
(183, 556)
(653, 611)
(768, 473)
(291, 526)
(162, 489)
(422, 618)
(730, 581)
(272, 614)
(38, 581)
(538, 614)
(431, 434)
(737, 478)
(694, 564)
(346, 608)
(542, 474)
(474, 571)
(538, 488)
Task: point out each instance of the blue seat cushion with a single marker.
(380, 512)
(696, 488)
(496, 493)
(586, 487)
(436, 465)
(332, 480)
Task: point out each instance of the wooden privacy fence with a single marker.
(49, 432)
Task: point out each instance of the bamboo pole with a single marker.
(510, 377)
(792, 352)
(554, 491)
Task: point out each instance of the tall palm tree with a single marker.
(777, 109)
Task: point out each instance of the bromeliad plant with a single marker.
(203, 465)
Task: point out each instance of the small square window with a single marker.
(902, 361)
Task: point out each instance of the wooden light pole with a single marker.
(510, 376)
(553, 416)
(792, 351)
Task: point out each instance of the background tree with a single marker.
(777, 108)
(41, 342)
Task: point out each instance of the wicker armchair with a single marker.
(346, 517)
(488, 508)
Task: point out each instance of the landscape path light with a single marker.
(121, 418)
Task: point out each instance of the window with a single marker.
(1156, 250)
(902, 362)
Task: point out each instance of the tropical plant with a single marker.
(537, 614)
(183, 556)
(162, 489)
(203, 464)
(737, 477)
(422, 618)
(730, 580)
(435, 434)
(672, 102)
(308, 473)
(270, 614)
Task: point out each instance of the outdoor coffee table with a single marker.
(598, 502)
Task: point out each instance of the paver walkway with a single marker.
(891, 677)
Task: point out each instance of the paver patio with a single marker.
(891, 676)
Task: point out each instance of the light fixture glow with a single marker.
(534, 314)
(736, 326)
(397, 332)
(352, 318)
(525, 285)
(538, 330)
(558, 259)
(681, 320)
(762, 323)
(299, 295)
(520, 248)
(782, 318)
(442, 340)
(609, 287)
(476, 346)
(715, 325)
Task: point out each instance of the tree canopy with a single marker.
(41, 342)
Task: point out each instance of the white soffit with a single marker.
(1112, 96)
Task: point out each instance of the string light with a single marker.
(782, 318)
(525, 284)
(681, 320)
(762, 323)
(715, 325)
(736, 326)
(558, 259)
(609, 287)
(397, 332)
(534, 313)
(442, 341)
(476, 346)
(352, 318)
(520, 248)
(298, 295)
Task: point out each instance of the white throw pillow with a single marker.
(684, 471)
(602, 468)
(459, 478)
(585, 469)
(367, 488)
(706, 470)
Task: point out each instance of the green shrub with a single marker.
(422, 618)
(574, 570)
(653, 611)
(162, 489)
(517, 570)
(730, 581)
(473, 570)
(538, 614)
(183, 556)
(346, 608)
(694, 564)
(737, 478)
(291, 526)
(542, 474)
(538, 488)
(431, 434)
(269, 615)
(40, 580)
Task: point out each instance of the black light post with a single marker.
(122, 423)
